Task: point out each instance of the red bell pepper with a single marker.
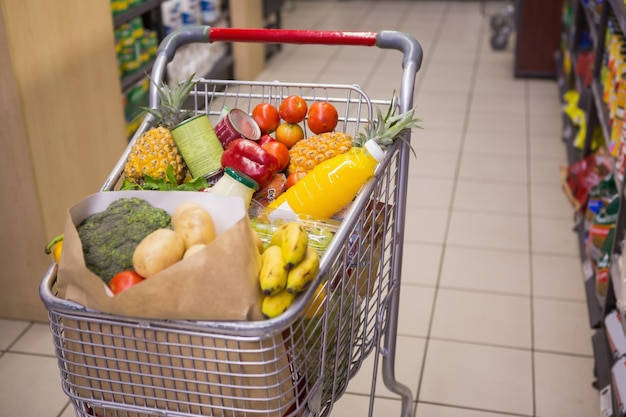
(250, 158)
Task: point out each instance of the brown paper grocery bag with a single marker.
(116, 362)
(218, 283)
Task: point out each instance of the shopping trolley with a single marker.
(297, 364)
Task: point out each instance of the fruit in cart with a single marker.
(293, 109)
(273, 275)
(280, 152)
(322, 117)
(308, 153)
(157, 251)
(155, 150)
(293, 178)
(124, 280)
(55, 247)
(265, 139)
(293, 241)
(312, 151)
(193, 223)
(274, 305)
(266, 116)
(289, 134)
(301, 275)
(109, 237)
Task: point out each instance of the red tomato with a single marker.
(280, 151)
(293, 109)
(124, 280)
(264, 139)
(292, 179)
(322, 117)
(266, 116)
(289, 133)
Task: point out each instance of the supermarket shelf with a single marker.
(620, 13)
(603, 114)
(131, 79)
(134, 12)
(604, 359)
(593, 306)
(592, 24)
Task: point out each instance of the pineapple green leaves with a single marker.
(386, 129)
(170, 111)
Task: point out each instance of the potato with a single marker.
(157, 251)
(193, 224)
(194, 249)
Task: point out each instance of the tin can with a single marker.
(199, 146)
(236, 124)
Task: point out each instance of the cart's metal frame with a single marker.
(298, 363)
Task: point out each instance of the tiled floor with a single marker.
(492, 318)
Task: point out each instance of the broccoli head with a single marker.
(110, 237)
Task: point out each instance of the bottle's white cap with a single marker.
(375, 150)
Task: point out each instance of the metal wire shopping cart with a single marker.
(299, 363)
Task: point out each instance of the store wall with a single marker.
(61, 131)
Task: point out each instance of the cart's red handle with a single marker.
(292, 36)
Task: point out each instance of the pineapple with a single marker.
(155, 150)
(308, 153)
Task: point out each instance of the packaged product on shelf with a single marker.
(190, 12)
(579, 178)
(601, 227)
(603, 267)
(171, 15)
(599, 196)
(209, 11)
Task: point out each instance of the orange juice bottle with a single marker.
(333, 183)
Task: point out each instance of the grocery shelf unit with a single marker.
(593, 20)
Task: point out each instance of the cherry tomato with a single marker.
(264, 139)
(292, 179)
(289, 133)
(293, 109)
(266, 116)
(124, 280)
(322, 117)
(280, 151)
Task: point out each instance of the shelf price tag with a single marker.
(606, 402)
(587, 270)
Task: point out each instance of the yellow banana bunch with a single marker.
(301, 275)
(273, 277)
(293, 241)
(275, 305)
(288, 266)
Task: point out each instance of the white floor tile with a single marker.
(563, 386)
(9, 331)
(486, 270)
(487, 142)
(37, 339)
(491, 197)
(476, 376)
(561, 326)
(435, 410)
(350, 405)
(421, 263)
(494, 231)
(31, 386)
(425, 225)
(429, 192)
(558, 277)
(501, 168)
(494, 319)
(554, 236)
(415, 310)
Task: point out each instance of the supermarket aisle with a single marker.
(493, 320)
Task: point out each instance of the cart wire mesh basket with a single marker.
(296, 364)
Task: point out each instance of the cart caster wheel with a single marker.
(497, 21)
(499, 41)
